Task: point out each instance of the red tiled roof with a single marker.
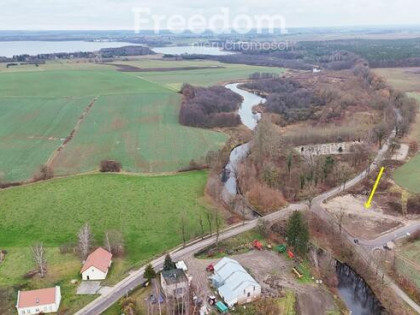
(99, 259)
(36, 297)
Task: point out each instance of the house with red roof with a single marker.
(97, 265)
(39, 301)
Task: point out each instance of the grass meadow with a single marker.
(410, 251)
(139, 130)
(134, 121)
(403, 79)
(31, 129)
(204, 77)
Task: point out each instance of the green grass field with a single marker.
(139, 130)
(410, 251)
(134, 121)
(31, 129)
(204, 77)
(146, 209)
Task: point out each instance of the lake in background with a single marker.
(182, 50)
(10, 49)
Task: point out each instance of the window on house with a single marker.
(249, 294)
(254, 287)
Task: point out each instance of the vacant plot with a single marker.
(359, 222)
(408, 262)
(72, 83)
(146, 209)
(139, 130)
(30, 130)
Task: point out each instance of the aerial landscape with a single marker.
(209, 158)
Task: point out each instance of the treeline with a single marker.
(287, 97)
(211, 107)
(378, 52)
(103, 53)
(125, 51)
(330, 54)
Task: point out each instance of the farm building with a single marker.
(39, 301)
(97, 265)
(174, 283)
(234, 284)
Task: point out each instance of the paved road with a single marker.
(136, 278)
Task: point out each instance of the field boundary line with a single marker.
(409, 261)
(70, 137)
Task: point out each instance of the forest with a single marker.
(210, 107)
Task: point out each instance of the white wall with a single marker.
(94, 274)
(253, 294)
(51, 308)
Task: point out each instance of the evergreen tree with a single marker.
(168, 264)
(297, 233)
(149, 272)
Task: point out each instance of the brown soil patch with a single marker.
(357, 220)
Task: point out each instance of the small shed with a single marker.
(221, 307)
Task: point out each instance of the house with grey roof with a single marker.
(174, 283)
(234, 284)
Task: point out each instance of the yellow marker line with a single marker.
(368, 203)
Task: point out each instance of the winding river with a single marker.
(250, 120)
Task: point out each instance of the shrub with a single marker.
(110, 166)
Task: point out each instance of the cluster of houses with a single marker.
(48, 300)
(233, 283)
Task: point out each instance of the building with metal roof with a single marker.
(234, 284)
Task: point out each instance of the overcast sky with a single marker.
(117, 14)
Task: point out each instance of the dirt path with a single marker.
(70, 137)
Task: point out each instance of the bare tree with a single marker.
(380, 133)
(183, 229)
(201, 226)
(341, 215)
(85, 241)
(217, 223)
(38, 254)
(114, 242)
(210, 221)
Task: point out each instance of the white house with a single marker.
(39, 301)
(97, 265)
(234, 284)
